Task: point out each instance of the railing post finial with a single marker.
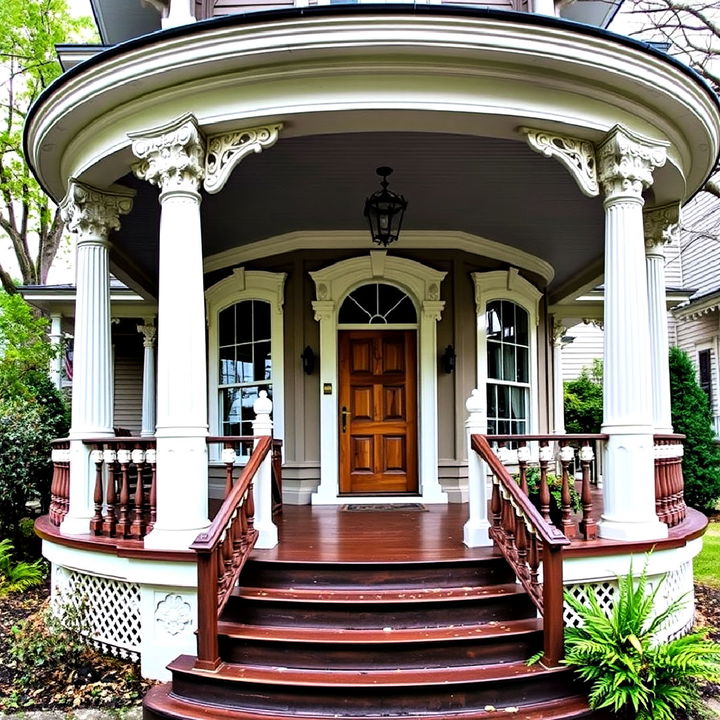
(476, 532)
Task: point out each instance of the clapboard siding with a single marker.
(700, 245)
(579, 354)
(700, 334)
(128, 391)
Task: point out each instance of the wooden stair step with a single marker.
(379, 596)
(159, 704)
(315, 635)
(365, 678)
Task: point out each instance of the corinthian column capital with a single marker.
(626, 162)
(661, 225)
(171, 156)
(91, 213)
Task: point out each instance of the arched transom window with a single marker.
(377, 304)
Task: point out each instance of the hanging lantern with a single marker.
(384, 211)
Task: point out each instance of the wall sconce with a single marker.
(384, 211)
(447, 359)
(308, 360)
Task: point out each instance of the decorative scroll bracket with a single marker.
(225, 151)
(577, 155)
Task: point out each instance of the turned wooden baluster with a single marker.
(508, 522)
(567, 525)
(545, 456)
(109, 520)
(96, 522)
(228, 457)
(521, 542)
(64, 499)
(54, 511)
(123, 525)
(495, 506)
(533, 560)
(523, 456)
(137, 529)
(150, 458)
(588, 526)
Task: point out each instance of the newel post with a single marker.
(262, 487)
(476, 530)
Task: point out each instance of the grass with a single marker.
(707, 563)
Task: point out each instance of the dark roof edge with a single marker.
(358, 9)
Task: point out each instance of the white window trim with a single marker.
(422, 284)
(245, 285)
(507, 285)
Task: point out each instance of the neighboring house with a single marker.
(538, 155)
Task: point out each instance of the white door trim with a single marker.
(422, 284)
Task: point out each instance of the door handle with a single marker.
(344, 412)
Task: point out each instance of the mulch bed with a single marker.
(94, 681)
(101, 681)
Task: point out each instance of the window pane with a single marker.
(230, 399)
(494, 356)
(508, 372)
(261, 320)
(523, 373)
(491, 401)
(377, 303)
(503, 401)
(263, 365)
(519, 427)
(503, 427)
(227, 366)
(508, 320)
(493, 321)
(244, 322)
(518, 403)
(226, 326)
(521, 324)
(244, 364)
(492, 427)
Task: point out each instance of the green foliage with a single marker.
(532, 476)
(628, 670)
(583, 399)
(29, 31)
(17, 576)
(691, 416)
(32, 412)
(705, 565)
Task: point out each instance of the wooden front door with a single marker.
(377, 412)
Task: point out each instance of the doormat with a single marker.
(385, 507)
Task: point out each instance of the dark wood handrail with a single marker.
(222, 551)
(516, 527)
(549, 533)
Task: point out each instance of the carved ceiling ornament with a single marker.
(171, 156)
(577, 155)
(91, 213)
(225, 151)
(661, 225)
(626, 162)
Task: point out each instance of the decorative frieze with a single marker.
(626, 162)
(576, 154)
(171, 156)
(91, 213)
(225, 151)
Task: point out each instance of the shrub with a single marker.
(691, 416)
(583, 400)
(629, 671)
(17, 576)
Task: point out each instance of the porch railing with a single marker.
(669, 482)
(60, 484)
(530, 543)
(125, 490)
(224, 548)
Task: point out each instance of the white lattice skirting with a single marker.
(109, 609)
(678, 583)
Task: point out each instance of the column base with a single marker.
(615, 530)
(169, 539)
(75, 525)
(267, 537)
(477, 534)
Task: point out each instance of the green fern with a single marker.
(17, 576)
(628, 671)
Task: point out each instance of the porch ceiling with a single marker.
(494, 188)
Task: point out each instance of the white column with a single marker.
(559, 331)
(262, 486)
(625, 163)
(149, 333)
(172, 157)
(660, 224)
(56, 363)
(476, 529)
(543, 7)
(90, 214)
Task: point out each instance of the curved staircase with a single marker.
(410, 640)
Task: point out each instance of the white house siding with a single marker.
(128, 392)
(579, 354)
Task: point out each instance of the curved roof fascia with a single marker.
(510, 66)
